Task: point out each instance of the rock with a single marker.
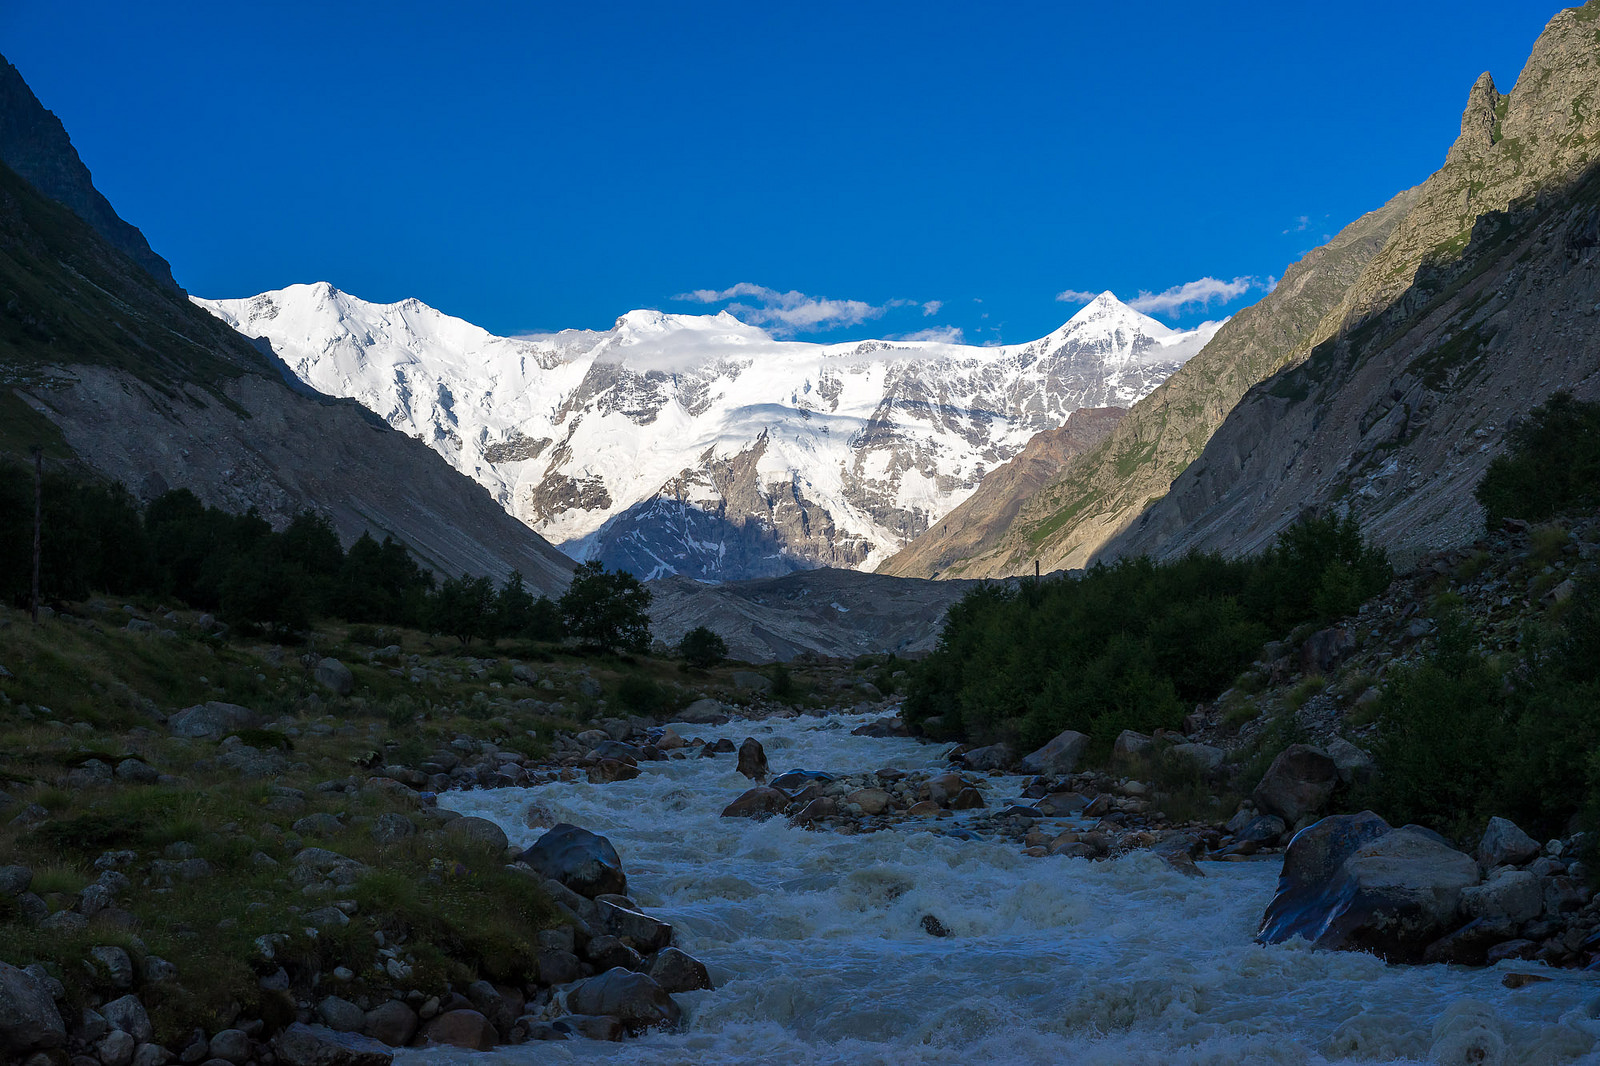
(933, 926)
(678, 971)
(587, 1026)
(608, 951)
(559, 967)
(892, 726)
(616, 749)
(1469, 945)
(640, 931)
(1354, 765)
(968, 799)
(1504, 844)
(871, 800)
(797, 779)
(1299, 783)
(925, 809)
(1511, 949)
(1204, 757)
(336, 677)
(137, 771)
(1131, 745)
(753, 759)
(1057, 758)
(128, 1014)
(113, 966)
(1515, 895)
(391, 828)
(945, 787)
(993, 757)
(633, 998)
(317, 1045)
(478, 831)
(750, 681)
(1263, 830)
(29, 1020)
(15, 880)
(115, 1049)
(1060, 804)
(341, 1014)
(213, 720)
(461, 1028)
(393, 1023)
(321, 824)
(583, 861)
(607, 771)
(670, 740)
(1350, 882)
(704, 712)
(1325, 649)
(760, 802)
(150, 1055)
(231, 1045)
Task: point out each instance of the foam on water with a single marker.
(814, 941)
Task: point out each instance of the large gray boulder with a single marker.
(639, 931)
(317, 1045)
(994, 757)
(583, 861)
(1354, 883)
(760, 803)
(704, 712)
(1504, 843)
(336, 677)
(1515, 895)
(1057, 758)
(678, 971)
(212, 720)
(1299, 783)
(753, 759)
(29, 1020)
(635, 998)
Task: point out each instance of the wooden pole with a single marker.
(38, 522)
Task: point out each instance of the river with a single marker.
(815, 943)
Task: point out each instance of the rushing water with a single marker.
(814, 941)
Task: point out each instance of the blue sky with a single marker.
(846, 169)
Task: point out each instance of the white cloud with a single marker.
(1202, 292)
(941, 334)
(795, 312)
(1301, 224)
(1075, 296)
(932, 308)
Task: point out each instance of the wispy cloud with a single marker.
(1075, 296)
(1202, 292)
(795, 312)
(1301, 224)
(941, 334)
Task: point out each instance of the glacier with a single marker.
(700, 444)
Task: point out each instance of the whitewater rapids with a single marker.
(815, 943)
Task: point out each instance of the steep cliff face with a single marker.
(977, 526)
(35, 145)
(1481, 303)
(112, 369)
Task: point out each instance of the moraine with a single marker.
(815, 943)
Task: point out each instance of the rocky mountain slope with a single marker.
(978, 525)
(1481, 303)
(35, 144)
(110, 367)
(701, 445)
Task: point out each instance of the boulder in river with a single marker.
(605, 771)
(753, 759)
(1354, 883)
(794, 780)
(994, 757)
(1057, 758)
(634, 998)
(678, 971)
(760, 802)
(1299, 782)
(583, 861)
(317, 1045)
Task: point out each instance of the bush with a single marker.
(701, 648)
(1551, 464)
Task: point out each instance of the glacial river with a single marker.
(814, 941)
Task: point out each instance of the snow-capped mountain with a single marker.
(700, 445)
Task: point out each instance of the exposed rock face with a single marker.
(829, 612)
(1479, 305)
(977, 525)
(35, 145)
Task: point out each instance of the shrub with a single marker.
(1551, 464)
(701, 648)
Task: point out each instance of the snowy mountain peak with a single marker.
(700, 444)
